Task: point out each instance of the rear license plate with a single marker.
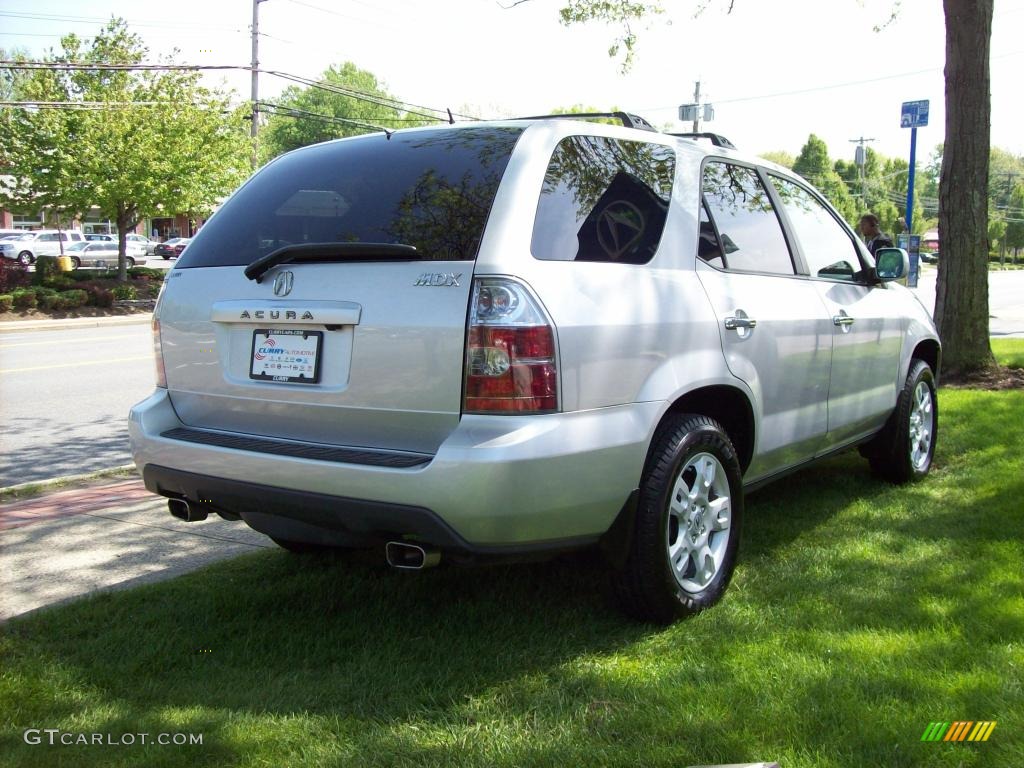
(286, 355)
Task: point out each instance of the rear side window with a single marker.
(429, 189)
(748, 229)
(603, 200)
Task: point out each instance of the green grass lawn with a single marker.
(1009, 352)
(860, 612)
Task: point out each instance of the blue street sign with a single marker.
(914, 114)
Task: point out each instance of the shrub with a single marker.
(61, 282)
(100, 296)
(73, 299)
(51, 301)
(6, 302)
(46, 269)
(25, 299)
(125, 292)
(12, 275)
(155, 274)
(81, 276)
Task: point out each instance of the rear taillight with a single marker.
(158, 354)
(511, 364)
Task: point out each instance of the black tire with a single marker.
(168, 258)
(25, 257)
(893, 454)
(75, 262)
(647, 585)
(129, 262)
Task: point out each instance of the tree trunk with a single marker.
(124, 222)
(961, 302)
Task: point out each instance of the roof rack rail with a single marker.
(628, 120)
(715, 138)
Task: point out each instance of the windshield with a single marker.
(430, 189)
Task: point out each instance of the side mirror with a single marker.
(891, 264)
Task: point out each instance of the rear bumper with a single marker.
(496, 483)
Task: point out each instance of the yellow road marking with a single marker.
(65, 341)
(76, 365)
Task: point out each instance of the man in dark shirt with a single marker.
(874, 237)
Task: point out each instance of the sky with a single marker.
(774, 71)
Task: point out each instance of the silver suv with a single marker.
(507, 339)
(43, 242)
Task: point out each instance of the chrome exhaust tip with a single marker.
(411, 557)
(182, 510)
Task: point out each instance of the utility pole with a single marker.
(254, 128)
(860, 159)
(696, 112)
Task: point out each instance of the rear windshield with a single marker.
(429, 189)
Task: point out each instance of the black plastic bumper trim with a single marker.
(314, 451)
(359, 520)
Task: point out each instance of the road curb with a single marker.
(53, 482)
(19, 326)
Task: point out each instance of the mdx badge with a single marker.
(442, 279)
(283, 283)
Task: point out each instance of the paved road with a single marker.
(1005, 300)
(65, 395)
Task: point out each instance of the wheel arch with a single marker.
(729, 405)
(930, 351)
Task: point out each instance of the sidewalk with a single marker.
(20, 326)
(67, 544)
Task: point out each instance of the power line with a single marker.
(291, 112)
(384, 101)
(101, 20)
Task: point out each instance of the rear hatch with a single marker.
(326, 300)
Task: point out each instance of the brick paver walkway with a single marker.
(73, 502)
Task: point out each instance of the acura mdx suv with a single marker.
(510, 339)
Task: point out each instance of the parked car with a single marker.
(104, 255)
(143, 241)
(930, 258)
(504, 340)
(44, 242)
(171, 248)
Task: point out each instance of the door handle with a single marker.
(735, 323)
(842, 319)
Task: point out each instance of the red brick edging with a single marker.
(72, 502)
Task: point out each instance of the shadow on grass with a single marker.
(860, 613)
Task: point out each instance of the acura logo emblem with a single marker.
(283, 283)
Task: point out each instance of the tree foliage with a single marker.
(813, 164)
(1014, 233)
(621, 13)
(779, 157)
(155, 141)
(351, 102)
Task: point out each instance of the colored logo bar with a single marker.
(961, 730)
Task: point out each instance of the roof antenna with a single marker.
(387, 133)
(451, 120)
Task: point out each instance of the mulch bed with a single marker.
(994, 378)
(36, 314)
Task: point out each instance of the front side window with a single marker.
(827, 248)
(750, 235)
(603, 200)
